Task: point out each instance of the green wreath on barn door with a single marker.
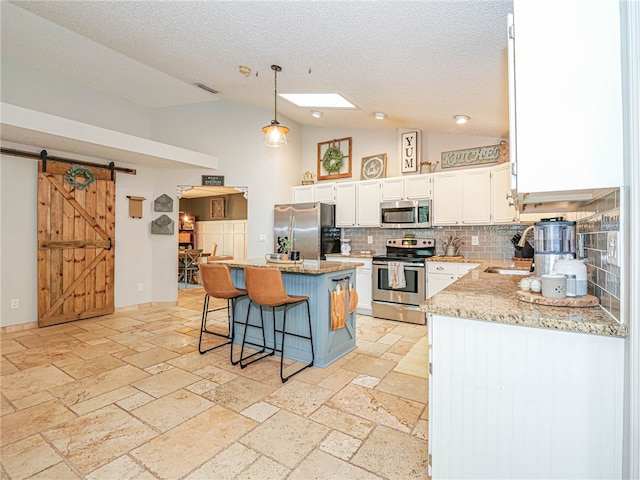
(76, 170)
(333, 159)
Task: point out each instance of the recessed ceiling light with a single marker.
(319, 100)
(316, 113)
(380, 115)
(461, 119)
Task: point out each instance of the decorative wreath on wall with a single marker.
(77, 170)
(332, 159)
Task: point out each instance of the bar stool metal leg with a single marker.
(263, 347)
(285, 333)
(203, 326)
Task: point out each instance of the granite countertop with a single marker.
(306, 268)
(492, 297)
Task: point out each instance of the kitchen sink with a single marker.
(507, 271)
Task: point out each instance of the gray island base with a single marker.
(317, 281)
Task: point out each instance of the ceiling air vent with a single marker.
(208, 89)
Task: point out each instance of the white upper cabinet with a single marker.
(568, 95)
(410, 187)
(418, 186)
(447, 204)
(503, 206)
(476, 196)
(324, 192)
(319, 192)
(346, 204)
(392, 188)
(303, 194)
(369, 203)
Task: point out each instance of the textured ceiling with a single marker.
(420, 62)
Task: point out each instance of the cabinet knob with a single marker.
(439, 268)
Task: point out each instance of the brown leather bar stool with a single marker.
(217, 282)
(266, 289)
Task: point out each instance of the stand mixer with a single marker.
(553, 239)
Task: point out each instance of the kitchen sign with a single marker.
(410, 151)
(475, 156)
(213, 180)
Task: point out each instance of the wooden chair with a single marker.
(266, 289)
(190, 265)
(217, 282)
(214, 248)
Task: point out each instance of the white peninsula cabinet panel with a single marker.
(509, 401)
(568, 82)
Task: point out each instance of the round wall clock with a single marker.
(374, 167)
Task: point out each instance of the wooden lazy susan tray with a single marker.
(537, 298)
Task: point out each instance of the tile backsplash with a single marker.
(494, 242)
(594, 220)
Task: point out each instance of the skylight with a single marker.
(317, 100)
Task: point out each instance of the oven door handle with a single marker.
(407, 266)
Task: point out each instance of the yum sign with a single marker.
(410, 151)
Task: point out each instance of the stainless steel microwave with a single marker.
(405, 214)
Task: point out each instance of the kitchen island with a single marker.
(316, 279)
(518, 390)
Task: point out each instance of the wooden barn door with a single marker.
(76, 227)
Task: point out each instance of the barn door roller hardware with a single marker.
(45, 157)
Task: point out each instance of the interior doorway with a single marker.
(212, 220)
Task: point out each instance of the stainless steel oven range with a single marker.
(400, 279)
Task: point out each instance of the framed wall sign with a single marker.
(334, 159)
(373, 167)
(213, 180)
(409, 151)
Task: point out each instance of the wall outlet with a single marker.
(474, 240)
(15, 303)
(262, 237)
(613, 248)
(369, 239)
(141, 287)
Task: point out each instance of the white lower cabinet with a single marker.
(364, 277)
(510, 401)
(442, 274)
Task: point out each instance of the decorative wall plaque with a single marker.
(163, 225)
(334, 159)
(410, 151)
(476, 156)
(218, 208)
(164, 203)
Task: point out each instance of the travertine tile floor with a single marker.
(128, 396)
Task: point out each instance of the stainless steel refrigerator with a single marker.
(311, 226)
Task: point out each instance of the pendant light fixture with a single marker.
(275, 134)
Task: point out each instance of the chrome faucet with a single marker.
(523, 238)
